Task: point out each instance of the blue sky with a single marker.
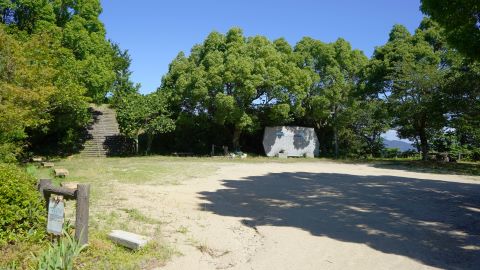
(154, 32)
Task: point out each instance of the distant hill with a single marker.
(403, 146)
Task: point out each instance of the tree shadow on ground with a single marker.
(434, 222)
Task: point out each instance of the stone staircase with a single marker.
(103, 137)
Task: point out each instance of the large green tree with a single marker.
(335, 69)
(461, 20)
(55, 60)
(144, 114)
(408, 73)
(462, 93)
(230, 78)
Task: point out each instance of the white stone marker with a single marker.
(48, 164)
(37, 159)
(128, 239)
(61, 172)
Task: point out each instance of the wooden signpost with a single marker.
(80, 194)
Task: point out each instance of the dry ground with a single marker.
(314, 215)
(260, 213)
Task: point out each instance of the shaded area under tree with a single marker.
(434, 222)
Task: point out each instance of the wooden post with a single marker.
(81, 194)
(81, 221)
(46, 195)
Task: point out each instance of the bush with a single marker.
(21, 209)
(391, 152)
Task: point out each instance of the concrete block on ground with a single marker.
(48, 164)
(69, 185)
(37, 159)
(61, 172)
(128, 239)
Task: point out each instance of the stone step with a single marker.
(103, 133)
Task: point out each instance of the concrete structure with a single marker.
(128, 239)
(294, 141)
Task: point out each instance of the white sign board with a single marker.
(293, 140)
(56, 211)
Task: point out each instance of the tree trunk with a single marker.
(149, 143)
(424, 144)
(236, 138)
(335, 140)
(335, 132)
(136, 144)
(321, 139)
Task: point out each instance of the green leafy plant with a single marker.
(60, 255)
(22, 211)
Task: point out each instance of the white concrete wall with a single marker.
(296, 141)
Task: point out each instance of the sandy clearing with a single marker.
(320, 215)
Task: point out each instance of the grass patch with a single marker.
(182, 230)
(19, 256)
(109, 210)
(103, 254)
(136, 215)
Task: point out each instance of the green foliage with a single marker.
(461, 21)
(391, 153)
(415, 83)
(60, 255)
(408, 73)
(365, 121)
(22, 211)
(122, 86)
(147, 114)
(54, 60)
(231, 78)
(462, 93)
(335, 70)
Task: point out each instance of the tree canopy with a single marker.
(55, 59)
(461, 21)
(231, 78)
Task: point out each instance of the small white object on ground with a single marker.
(61, 172)
(128, 239)
(48, 164)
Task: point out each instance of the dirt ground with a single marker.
(316, 215)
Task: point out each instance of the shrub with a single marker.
(391, 152)
(21, 209)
